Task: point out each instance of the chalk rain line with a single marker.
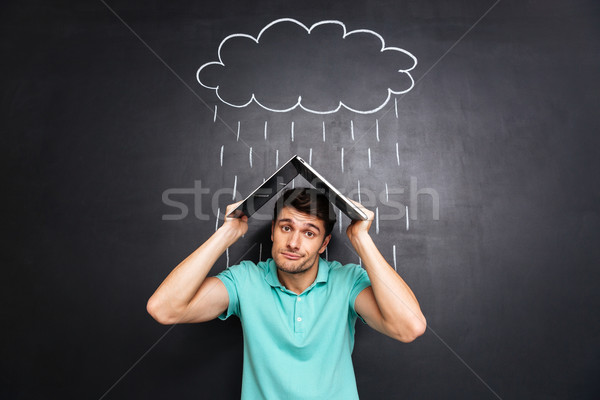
(292, 129)
(234, 188)
(265, 130)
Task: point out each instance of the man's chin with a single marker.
(294, 272)
(292, 266)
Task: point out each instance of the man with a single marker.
(297, 310)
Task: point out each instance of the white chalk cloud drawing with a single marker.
(320, 69)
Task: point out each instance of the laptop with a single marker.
(278, 181)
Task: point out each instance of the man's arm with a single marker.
(388, 306)
(186, 295)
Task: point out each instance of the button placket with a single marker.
(298, 315)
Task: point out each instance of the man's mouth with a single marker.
(291, 256)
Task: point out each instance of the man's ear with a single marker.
(325, 243)
(272, 226)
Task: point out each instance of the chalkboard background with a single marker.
(106, 132)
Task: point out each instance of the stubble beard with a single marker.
(305, 266)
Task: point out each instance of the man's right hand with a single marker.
(237, 225)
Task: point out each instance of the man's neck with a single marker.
(298, 283)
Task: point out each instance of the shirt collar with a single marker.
(273, 280)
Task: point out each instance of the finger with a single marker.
(235, 214)
(233, 206)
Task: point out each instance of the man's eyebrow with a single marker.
(289, 220)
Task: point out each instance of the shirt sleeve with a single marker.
(231, 279)
(361, 281)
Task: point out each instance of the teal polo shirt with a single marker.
(296, 346)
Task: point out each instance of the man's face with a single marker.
(298, 239)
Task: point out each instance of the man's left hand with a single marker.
(358, 227)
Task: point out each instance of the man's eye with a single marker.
(286, 228)
(310, 234)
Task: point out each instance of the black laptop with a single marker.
(284, 175)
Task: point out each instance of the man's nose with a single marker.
(294, 240)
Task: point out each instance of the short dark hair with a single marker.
(308, 201)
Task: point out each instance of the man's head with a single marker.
(303, 220)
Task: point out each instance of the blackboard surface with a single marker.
(117, 162)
